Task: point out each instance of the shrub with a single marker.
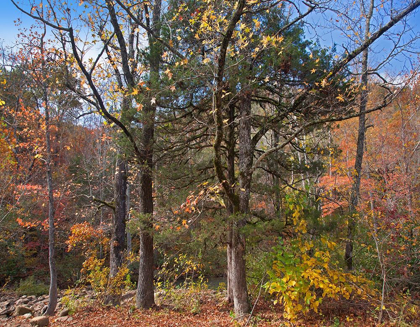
(302, 274)
(301, 282)
(30, 286)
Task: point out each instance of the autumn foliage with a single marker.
(172, 143)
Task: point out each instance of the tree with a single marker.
(248, 81)
(133, 70)
(385, 243)
(368, 68)
(43, 95)
(53, 292)
(230, 38)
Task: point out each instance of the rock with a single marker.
(6, 312)
(41, 321)
(38, 307)
(27, 315)
(64, 313)
(44, 309)
(22, 301)
(21, 310)
(67, 318)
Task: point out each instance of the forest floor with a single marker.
(209, 309)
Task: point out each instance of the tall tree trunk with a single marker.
(117, 246)
(53, 292)
(129, 236)
(355, 192)
(237, 276)
(240, 293)
(52, 298)
(276, 179)
(145, 291)
(231, 176)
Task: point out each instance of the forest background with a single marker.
(273, 143)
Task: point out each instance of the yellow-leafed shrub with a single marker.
(302, 274)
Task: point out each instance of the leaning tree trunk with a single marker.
(145, 290)
(355, 192)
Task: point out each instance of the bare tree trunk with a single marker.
(355, 193)
(129, 236)
(229, 282)
(52, 299)
(240, 292)
(145, 290)
(118, 227)
(231, 176)
(53, 291)
(276, 179)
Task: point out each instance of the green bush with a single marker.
(30, 286)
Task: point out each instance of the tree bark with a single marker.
(145, 290)
(129, 236)
(118, 227)
(355, 192)
(53, 291)
(52, 298)
(231, 142)
(237, 275)
(240, 292)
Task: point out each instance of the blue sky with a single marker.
(9, 14)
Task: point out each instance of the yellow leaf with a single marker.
(168, 73)
(340, 98)
(257, 23)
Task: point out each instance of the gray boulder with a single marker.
(41, 321)
(21, 310)
(64, 313)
